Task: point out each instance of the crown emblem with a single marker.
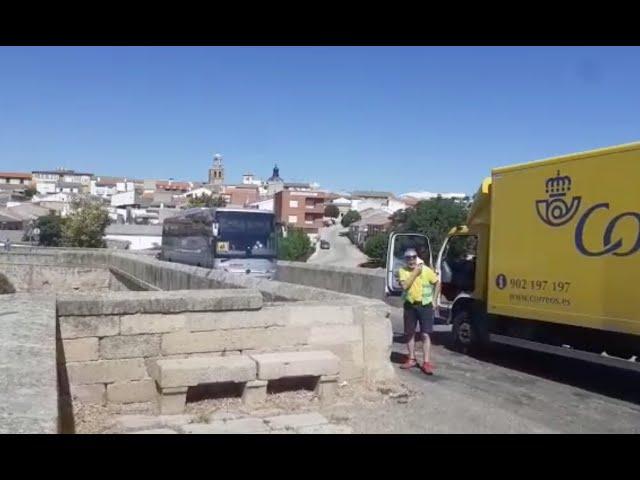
(555, 210)
(558, 186)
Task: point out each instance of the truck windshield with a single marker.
(245, 234)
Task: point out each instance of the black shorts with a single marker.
(414, 314)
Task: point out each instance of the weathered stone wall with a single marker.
(53, 273)
(28, 387)
(111, 341)
(354, 281)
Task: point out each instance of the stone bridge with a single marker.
(91, 325)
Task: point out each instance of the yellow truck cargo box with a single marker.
(565, 240)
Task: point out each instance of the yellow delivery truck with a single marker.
(549, 259)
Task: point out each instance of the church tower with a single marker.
(216, 172)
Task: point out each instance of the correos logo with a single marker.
(556, 211)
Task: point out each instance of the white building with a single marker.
(46, 180)
(197, 193)
(249, 179)
(140, 237)
(343, 204)
(429, 195)
(124, 199)
(68, 187)
(263, 205)
(125, 186)
(102, 190)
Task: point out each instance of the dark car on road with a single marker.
(324, 244)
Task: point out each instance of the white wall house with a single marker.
(104, 191)
(428, 195)
(45, 186)
(124, 198)
(263, 205)
(140, 237)
(197, 193)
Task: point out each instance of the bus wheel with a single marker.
(463, 332)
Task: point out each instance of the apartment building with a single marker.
(303, 209)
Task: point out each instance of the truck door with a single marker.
(398, 243)
(455, 267)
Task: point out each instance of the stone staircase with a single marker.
(173, 377)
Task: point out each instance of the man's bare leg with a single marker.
(426, 347)
(411, 359)
(411, 346)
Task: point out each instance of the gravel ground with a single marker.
(91, 419)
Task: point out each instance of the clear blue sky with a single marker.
(398, 119)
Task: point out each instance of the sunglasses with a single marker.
(411, 257)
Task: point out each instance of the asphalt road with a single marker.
(342, 253)
(506, 390)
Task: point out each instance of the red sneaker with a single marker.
(410, 363)
(427, 368)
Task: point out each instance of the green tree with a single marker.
(86, 225)
(207, 201)
(50, 230)
(331, 211)
(296, 246)
(376, 248)
(30, 192)
(433, 218)
(350, 217)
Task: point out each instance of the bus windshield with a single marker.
(245, 234)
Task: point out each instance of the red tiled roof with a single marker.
(26, 176)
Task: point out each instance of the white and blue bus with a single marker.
(231, 239)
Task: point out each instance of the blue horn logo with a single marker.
(555, 211)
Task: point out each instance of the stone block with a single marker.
(88, 394)
(223, 416)
(195, 371)
(314, 315)
(351, 359)
(132, 392)
(155, 431)
(238, 426)
(106, 371)
(130, 346)
(254, 393)
(91, 326)
(295, 364)
(172, 403)
(152, 323)
(377, 335)
(241, 339)
(292, 422)
(126, 423)
(80, 349)
(325, 430)
(174, 301)
(332, 334)
(326, 388)
(263, 318)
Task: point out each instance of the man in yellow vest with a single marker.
(418, 282)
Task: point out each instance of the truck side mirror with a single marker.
(215, 226)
